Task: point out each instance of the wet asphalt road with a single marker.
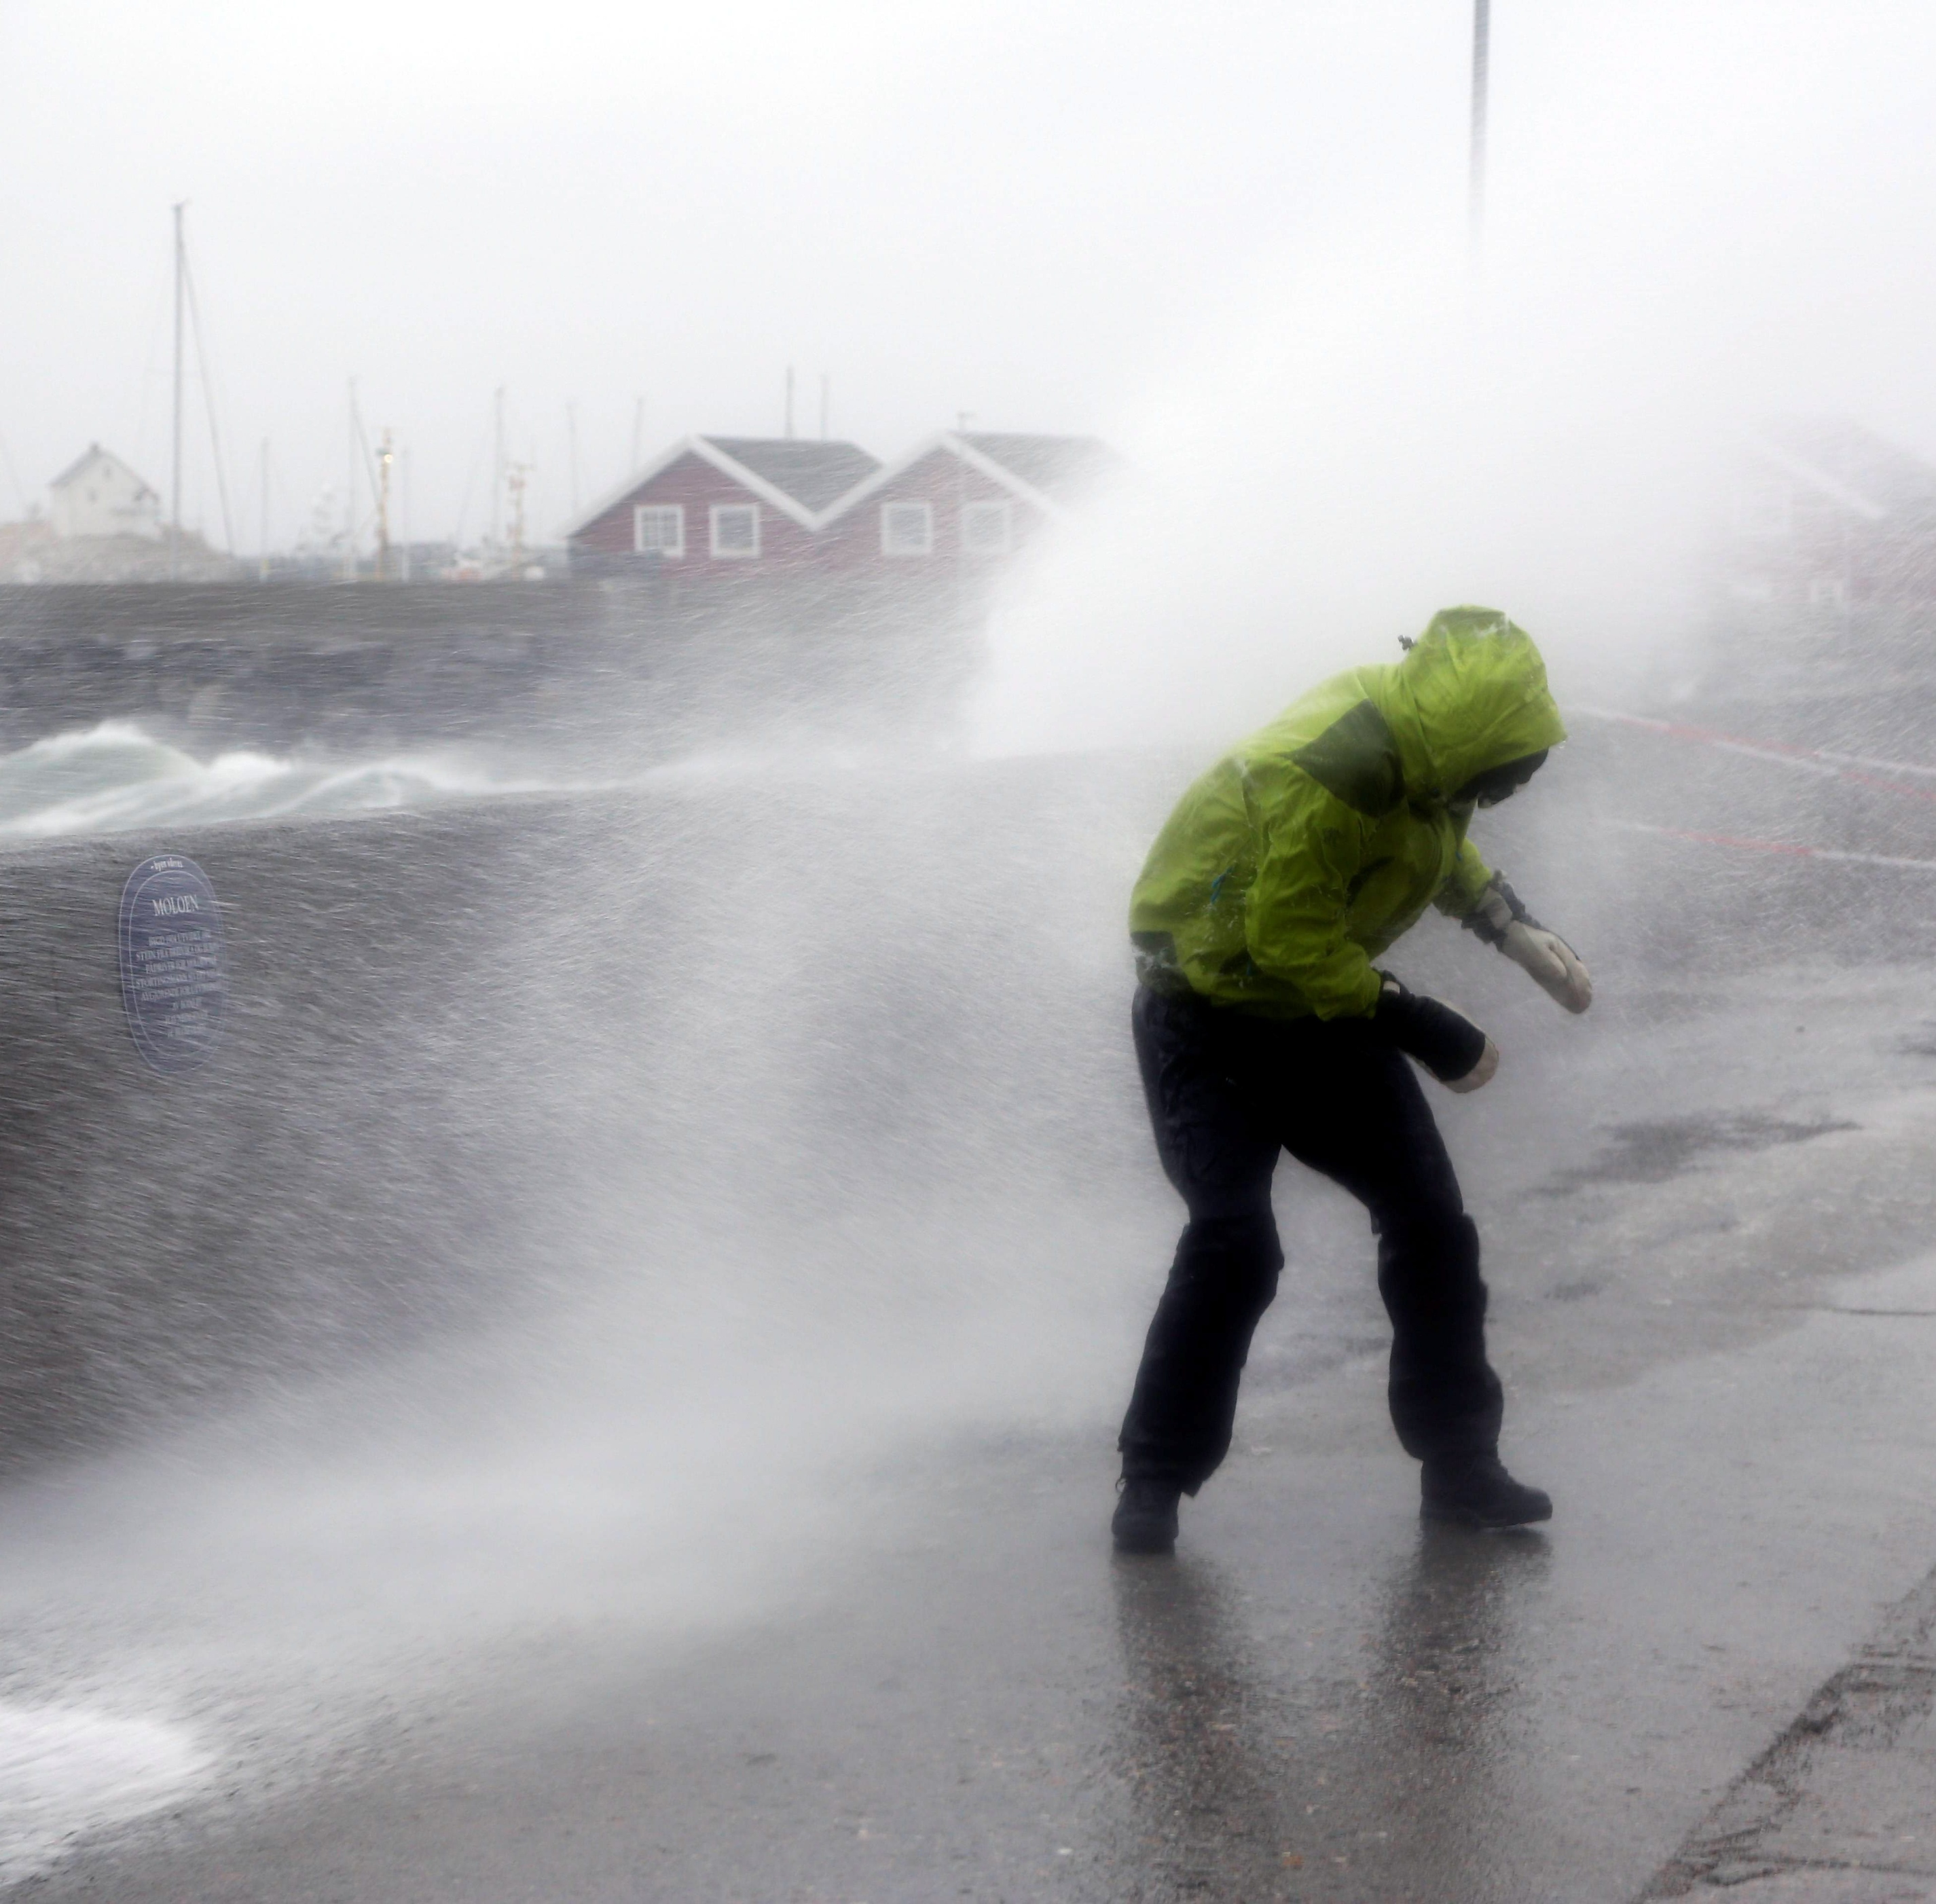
(906, 1665)
(1718, 1328)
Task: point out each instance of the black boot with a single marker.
(1146, 1518)
(1476, 1491)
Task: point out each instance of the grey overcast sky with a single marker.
(1030, 212)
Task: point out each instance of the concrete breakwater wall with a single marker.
(474, 1060)
(324, 1186)
(633, 671)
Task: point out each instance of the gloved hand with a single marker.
(1448, 1044)
(1554, 964)
(1501, 920)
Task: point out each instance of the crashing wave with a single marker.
(117, 775)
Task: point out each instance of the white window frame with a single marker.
(672, 551)
(891, 544)
(1001, 512)
(721, 554)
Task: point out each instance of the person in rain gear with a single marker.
(1262, 1024)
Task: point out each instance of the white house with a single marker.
(100, 495)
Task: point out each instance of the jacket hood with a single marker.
(1471, 694)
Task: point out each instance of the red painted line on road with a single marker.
(1792, 848)
(1859, 768)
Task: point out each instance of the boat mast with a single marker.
(385, 456)
(349, 495)
(498, 471)
(181, 279)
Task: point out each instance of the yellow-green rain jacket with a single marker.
(1305, 851)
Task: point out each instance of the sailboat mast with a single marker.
(174, 528)
(498, 471)
(385, 456)
(349, 495)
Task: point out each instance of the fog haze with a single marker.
(605, 1384)
(1037, 215)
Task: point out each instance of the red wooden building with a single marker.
(720, 506)
(959, 499)
(732, 507)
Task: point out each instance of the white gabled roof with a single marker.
(95, 454)
(709, 450)
(1079, 455)
(954, 445)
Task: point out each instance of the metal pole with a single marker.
(12, 476)
(349, 496)
(1482, 36)
(208, 400)
(962, 420)
(385, 456)
(497, 473)
(174, 528)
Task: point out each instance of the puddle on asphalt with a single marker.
(1653, 1152)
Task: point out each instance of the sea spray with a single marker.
(65, 1770)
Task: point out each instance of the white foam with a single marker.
(65, 1771)
(115, 774)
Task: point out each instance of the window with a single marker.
(1827, 591)
(736, 529)
(987, 528)
(907, 529)
(659, 529)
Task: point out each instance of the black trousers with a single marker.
(1226, 1092)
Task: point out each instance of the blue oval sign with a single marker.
(174, 967)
